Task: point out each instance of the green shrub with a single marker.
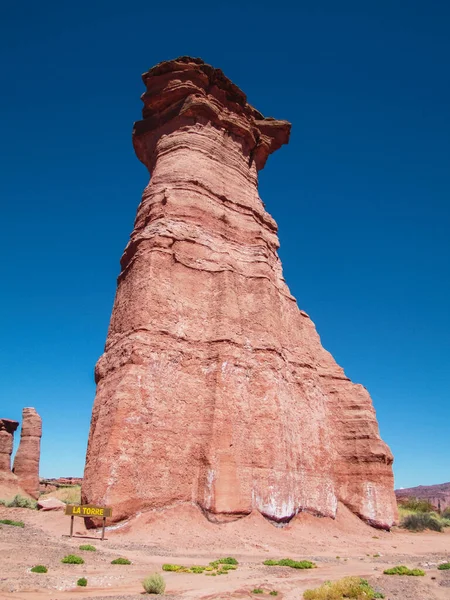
(399, 570)
(422, 521)
(257, 591)
(197, 569)
(446, 513)
(121, 561)
(288, 562)
(82, 582)
(168, 567)
(73, 559)
(39, 569)
(154, 584)
(274, 593)
(444, 566)
(223, 561)
(348, 587)
(14, 523)
(402, 570)
(229, 560)
(21, 502)
(417, 505)
(88, 548)
(221, 566)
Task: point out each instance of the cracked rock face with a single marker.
(26, 461)
(214, 387)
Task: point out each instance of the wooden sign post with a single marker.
(87, 510)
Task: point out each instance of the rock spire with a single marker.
(7, 429)
(214, 388)
(26, 461)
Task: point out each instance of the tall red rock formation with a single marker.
(7, 429)
(26, 461)
(214, 387)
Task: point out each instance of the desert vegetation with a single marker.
(13, 523)
(416, 505)
(39, 569)
(20, 502)
(348, 587)
(288, 562)
(154, 584)
(121, 561)
(221, 566)
(69, 494)
(402, 570)
(419, 515)
(72, 559)
(82, 582)
(88, 548)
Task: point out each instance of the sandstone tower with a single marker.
(26, 461)
(214, 388)
(7, 429)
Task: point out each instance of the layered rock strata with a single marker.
(214, 388)
(7, 429)
(438, 495)
(26, 460)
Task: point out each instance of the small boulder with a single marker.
(50, 504)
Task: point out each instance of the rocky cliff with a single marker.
(214, 388)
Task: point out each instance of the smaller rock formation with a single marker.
(26, 461)
(50, 504)
(7, 479)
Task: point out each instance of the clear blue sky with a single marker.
(361, 194)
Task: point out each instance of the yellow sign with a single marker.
(88, 510)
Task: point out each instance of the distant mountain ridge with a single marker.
(438, 495)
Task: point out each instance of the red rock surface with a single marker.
(214, 388)
(50, 504)
(438, 495)
(7, 429)
(26, 461)
(8, 481)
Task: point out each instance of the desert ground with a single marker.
(182, 535)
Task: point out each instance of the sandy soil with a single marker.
(182, 535)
